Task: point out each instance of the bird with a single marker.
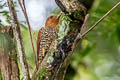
(46, 35)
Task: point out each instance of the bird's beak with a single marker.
(58, 17)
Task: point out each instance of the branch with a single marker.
(114, 7)
(17, 34)
(27, 20)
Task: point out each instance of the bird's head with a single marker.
(52, 21)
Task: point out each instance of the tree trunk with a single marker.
(8, 58)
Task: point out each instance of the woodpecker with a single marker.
(46, 35)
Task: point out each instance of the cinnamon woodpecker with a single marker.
(46, 35)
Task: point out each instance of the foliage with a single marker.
(4, 13)
(6, 43)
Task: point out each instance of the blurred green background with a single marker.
(97, 56)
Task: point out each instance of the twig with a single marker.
(17, 34)
(114, 7)
(26, 17)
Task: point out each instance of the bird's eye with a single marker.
(51, 17)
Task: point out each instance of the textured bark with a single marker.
(8, 58)
(14, 67)
(9, 68)
(17, 34)
(5, 66)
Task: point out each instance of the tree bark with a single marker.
(8, 58)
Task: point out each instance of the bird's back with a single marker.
(47, 35)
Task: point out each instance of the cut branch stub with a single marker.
(61, 50)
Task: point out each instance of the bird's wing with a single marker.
(38, 42)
